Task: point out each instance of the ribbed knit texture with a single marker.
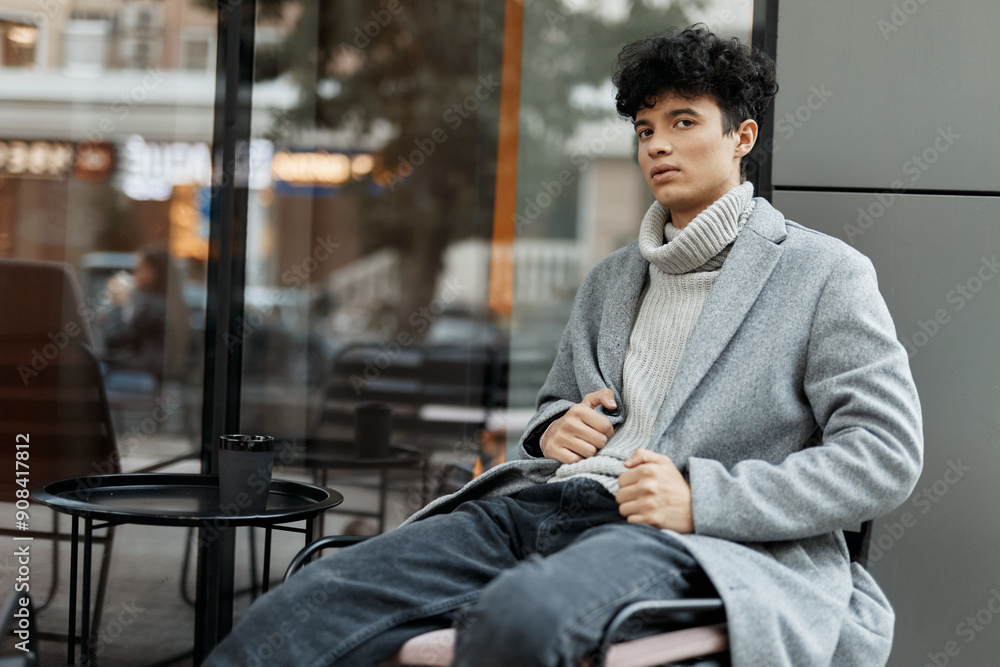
(682, 272)
(705, 242)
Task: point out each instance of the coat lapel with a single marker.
(618, 315)
(748, 266)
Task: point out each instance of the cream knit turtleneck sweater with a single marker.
(682, 271)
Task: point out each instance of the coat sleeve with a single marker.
(559, 393)
(576, 356)
(857, 380)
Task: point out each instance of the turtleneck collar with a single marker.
(701, 241)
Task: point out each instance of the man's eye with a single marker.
(644, 133)
(685, 120)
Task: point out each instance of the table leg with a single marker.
(206, 602)
(214, 598)
(88, 546)
(73, 563)
(425, 482)
(253, 564)
(266, 579)
(322, 517)
(227, 582)
(383, 501)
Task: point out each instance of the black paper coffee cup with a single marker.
(372, 430)
(245, 466)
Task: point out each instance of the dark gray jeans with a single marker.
(530, 579)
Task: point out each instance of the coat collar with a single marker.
(753, 257)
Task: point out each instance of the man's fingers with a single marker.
(587, 425)
(581, 448)
(602, 396)
(641, 456)
(598, 423)
(566, 456)
(627, 479)
(567, 448)
(631, 509)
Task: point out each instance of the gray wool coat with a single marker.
(793, 414)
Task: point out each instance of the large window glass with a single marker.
(104, 163)
(106, 116)
(368, 246)
(378, 265)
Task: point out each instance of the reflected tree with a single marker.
(426, 75)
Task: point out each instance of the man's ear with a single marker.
(746, 137)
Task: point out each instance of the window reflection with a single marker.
(376, 217)
(104, 166)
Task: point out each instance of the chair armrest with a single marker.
(328, 542)
(654, 616)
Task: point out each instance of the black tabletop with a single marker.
(342, 454)
(178, 500)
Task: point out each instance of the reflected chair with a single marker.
(52, 391)
(643, 634)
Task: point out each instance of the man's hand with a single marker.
(580, 432)
(653, 491)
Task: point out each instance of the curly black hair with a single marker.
(693, 62)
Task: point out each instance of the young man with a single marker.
(728, 395)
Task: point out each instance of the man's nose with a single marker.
(659, 146)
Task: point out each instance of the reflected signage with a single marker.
(56, 160)
(320, 168)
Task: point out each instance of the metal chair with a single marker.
(52, 391)
(643, 634)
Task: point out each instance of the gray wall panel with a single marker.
(865, 88)
(944, 566)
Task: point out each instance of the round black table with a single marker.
(161, 499)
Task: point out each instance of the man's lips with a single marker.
(663, 173)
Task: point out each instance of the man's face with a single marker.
(687, 161)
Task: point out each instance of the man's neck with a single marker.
(680, 219)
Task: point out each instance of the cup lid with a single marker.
(246, 443)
